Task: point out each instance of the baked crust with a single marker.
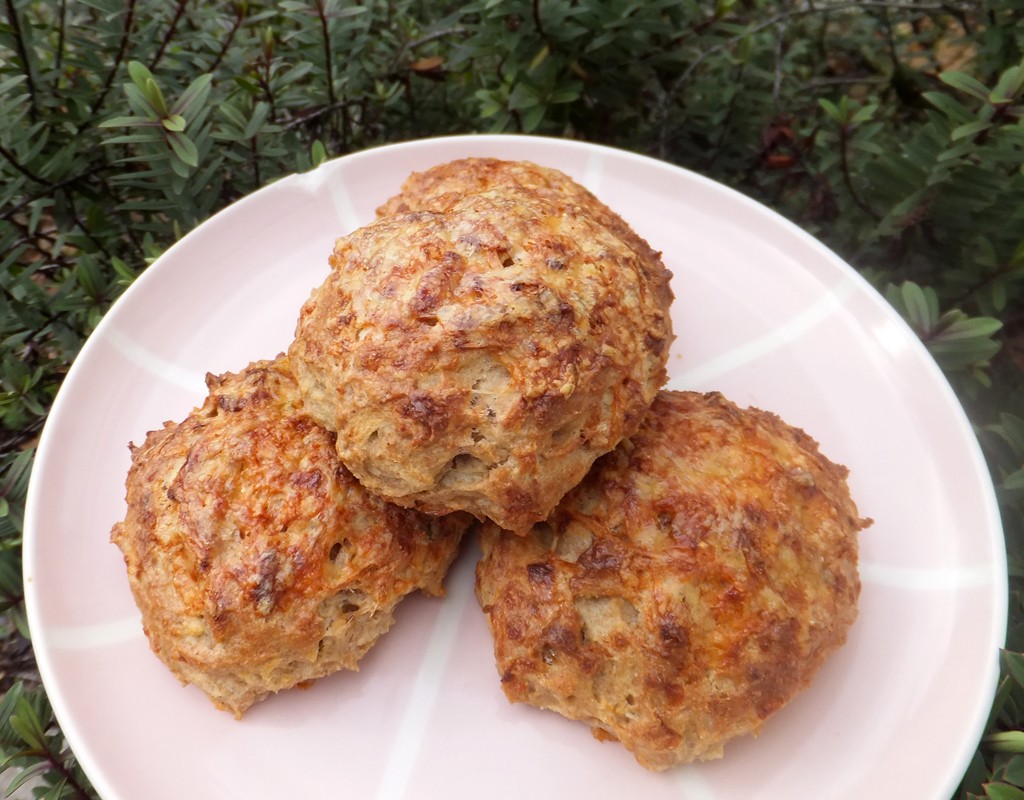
(440, 187)
(257, 560)
(686, 589)
(480, 356)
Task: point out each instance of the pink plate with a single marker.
(764, 313)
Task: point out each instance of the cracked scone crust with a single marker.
(257, 561)
(686, 589)
(480, 357)
(440, 187)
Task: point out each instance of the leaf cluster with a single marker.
(891, 129)
(33, 749)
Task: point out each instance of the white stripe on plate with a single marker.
(101, 634)
(692, 784)
(776, 339)
(412, 728)
(343, 205)
(154, 364)
(927, 579)
(593, 172)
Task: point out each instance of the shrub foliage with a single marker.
(891, 129)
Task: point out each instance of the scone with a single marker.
(257, 561)
(480, 357)
(691, 585)
(441, 186)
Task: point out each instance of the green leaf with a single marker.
(965, 83)
(194, 97)
(22, 778)
(1014, 663)
(1013, 772)
(1003, 791)
(256, 122)
(8, 761)
(1008, 86)
(1005, 741)
(569, 94)
(233, 115)
(155, 97)
(522, 97)
(55, 792)
(921, 311)
(247, 84)
(865, 113)
(969, 328)
(140, 74)
(181, 170)
(830, 108)
(532, 118)
(25, 722)
(183, 148)
(175, 122)
(970, 129)
(153, 137)
(139, 102)
(318, 153)
(949, 106)
(540, 57)
(125, 122)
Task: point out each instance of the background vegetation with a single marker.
(894, 131)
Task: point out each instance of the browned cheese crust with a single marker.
(480, 357)
(257, 561)
(439, 188)
(686, 589)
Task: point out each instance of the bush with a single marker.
(894, 131)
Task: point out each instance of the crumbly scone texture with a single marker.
(692, 583)
(480, 357)
(443, 185)
(257, 560)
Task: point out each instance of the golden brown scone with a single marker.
(257, 561)
(440, 187)
(481, 357)
(686, 589)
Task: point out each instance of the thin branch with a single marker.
(239, 16)
(824, 83)
(48, 317)
(85, 231)
(433, 37)
(413, 44)
(61, 28)
(53, 187)
(129, 20)
(332, 99)
(255, 161)
(346, 125)
(724, 127)
(266, 61)
(303, 119)
(19, 38)
(890, 38)
(780, 39)
(169, 35)
(58, 764)
(537, 22)
(977, 286)
(844, 146)
(20, 168)
(129, 232)
(661, 118)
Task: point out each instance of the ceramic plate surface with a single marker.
(763, 313)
